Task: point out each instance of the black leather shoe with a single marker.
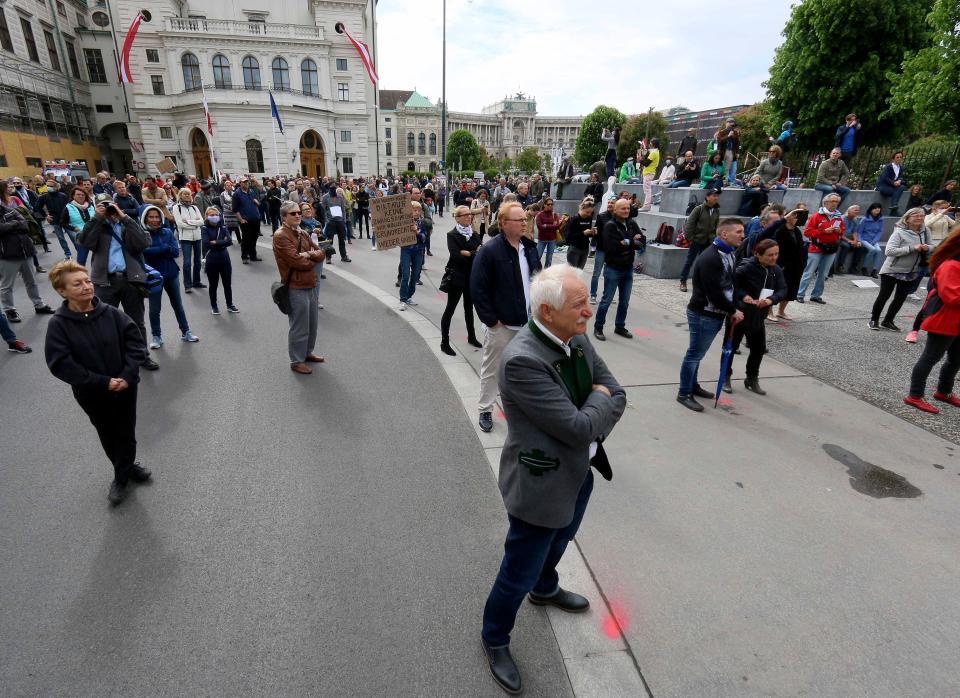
(888, 325)
(563, 599)
(818, 300)
(700, 392)
(688, 402)
(447, 349)
(44, 310)
(150, 364)
(13, 316)
(753, 385)
(623, 332)
(486, 421)
(503, 668)
(473, 342)
(599, 335)
(139, 474)
(117, 493)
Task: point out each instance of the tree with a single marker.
(590, 147)
(528, 159)
(462, 150)
(834, 61)
(635, 129)
(927, 86)
(756, 126)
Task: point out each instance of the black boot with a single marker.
(753, 384)
(446, 348)
(474, 342)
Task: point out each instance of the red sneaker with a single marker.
(921, 404)
(950, 399)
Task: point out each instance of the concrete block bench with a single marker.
(677, 200)
(664, 261)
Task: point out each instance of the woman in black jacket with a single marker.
(758, 284)
(274, 199)
(579, 233)
(792, 259)
(462, 243)
(98, 350)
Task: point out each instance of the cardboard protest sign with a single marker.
(166, 166)
(392, 221)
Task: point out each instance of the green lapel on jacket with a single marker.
(574, 371)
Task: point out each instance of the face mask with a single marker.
(213, 220)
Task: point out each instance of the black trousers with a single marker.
(338, 228)
(114, 415)
(937, 345)
(362, 215)
(217, 271)
(890, 285)
(250, 231)
(122, 293)
(453, 297)
(757, 337)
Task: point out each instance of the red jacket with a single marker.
(946, 319)
(816, 230)
(547, 225)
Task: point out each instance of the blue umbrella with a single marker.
(725, 358)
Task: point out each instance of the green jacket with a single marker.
(701, 226)
(707, 172)
(627, 171)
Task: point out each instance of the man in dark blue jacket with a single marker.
(246, 205)
(892, 182)
(500, 287)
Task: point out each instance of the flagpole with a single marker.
(276, 153)
(209, 120)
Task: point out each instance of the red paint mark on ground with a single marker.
(725, 401)
(640, 332)
(441, 296)
(615, 621)
(501, 415)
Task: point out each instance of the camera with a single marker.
(328, 250)
(111, 209)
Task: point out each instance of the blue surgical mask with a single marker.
(213, 220)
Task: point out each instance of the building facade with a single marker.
(705, 123)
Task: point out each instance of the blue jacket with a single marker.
(887, 178)
(215, 242)
(496, 284)
(421, 238)
(246, 205)
(871, 229)
(162, 252)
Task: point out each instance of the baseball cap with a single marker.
(102, 198)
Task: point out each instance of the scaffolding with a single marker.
(40, 103)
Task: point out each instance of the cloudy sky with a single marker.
(500, 46)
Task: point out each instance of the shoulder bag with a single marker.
(280, 292)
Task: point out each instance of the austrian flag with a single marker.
(125, 75)
(363, 50)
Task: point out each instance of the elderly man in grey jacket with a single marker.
(560, 402)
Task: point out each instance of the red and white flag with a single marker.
(206, 112)
(363, 50)
(125, 75)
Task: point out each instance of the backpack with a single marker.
(681, 240)
(664, 235)
(692, 204)
(33, 228)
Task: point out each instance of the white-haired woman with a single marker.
(189, 220)
(907, 251)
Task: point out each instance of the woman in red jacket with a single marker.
(824, 230)
(548, 223)
(942, 325)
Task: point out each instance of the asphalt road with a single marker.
(329, 535)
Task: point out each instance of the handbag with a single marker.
(280, 292)
(447, 281)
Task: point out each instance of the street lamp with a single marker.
(443, 108)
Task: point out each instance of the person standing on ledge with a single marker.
(561, 402)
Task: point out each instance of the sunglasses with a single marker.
(293, 213)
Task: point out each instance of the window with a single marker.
(221, 72)
(104, 109)
(166, 132)
(281, 76)
(254, 156)
(422, 143)
(341, 64)
(81, 20)
(34, 162)
(72, 57)
(52, 50)
(61, 9)
(5, 41)
(156, 81)
(30, 41)
(191, 72)
(3, 161)
(433, 144)
(389, 147)
(343, 92)
(101, 19)
(411, 144)
(153, 55)
(251, 73)
(348, 165)
(388, 119)
(386, 133)
(94, 60)
(346, 136)
(308, 75)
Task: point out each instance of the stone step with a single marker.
(677, 200)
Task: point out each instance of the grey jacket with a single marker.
(902, 258)
(769, 171)
(96, 237)
(545, 458)
(833, 172)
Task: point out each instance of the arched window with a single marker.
(221, 72)
(411, 166)
(254, 156)
(191, 72)
(308, 75)
(422, 143)
(433, 144)
(281, 74)
(251, 73)
(411, 144)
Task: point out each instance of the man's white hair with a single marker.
(547, 288)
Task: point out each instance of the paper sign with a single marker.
(166, 166)
(865, 283)
(392, 221)
(765, 293)
(336, 212)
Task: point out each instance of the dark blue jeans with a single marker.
(530, 557)
(614, 279)
(411, 260)
(692, 253)
(703, 330)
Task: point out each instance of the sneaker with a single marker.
(593, 300)
(486, 421)
(888, 325)
(40, 270)
(13, 315)
(157, 342)
(921, 404)
(189, 336)
(950, 399)
(818, 300)
(874, 325)
(215, 310)
(199, 285)
(44, 310)
(188, 290)
(917, 297)
(800, 299)
(18, 347)
(403, 305)
(117, 492)
(412, 302)
(911, 337)
(233, 309)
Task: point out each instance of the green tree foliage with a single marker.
(529, 160)
(927, 87)
(462, 148)
(589, 146)
(835, 59)
(634, 129)
(756, 126)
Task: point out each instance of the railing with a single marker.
(258, 89)
(227, 26)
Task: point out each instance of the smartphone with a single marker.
(802, 218)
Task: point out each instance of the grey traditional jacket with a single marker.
(546, 456)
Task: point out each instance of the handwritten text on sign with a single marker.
(392, 221)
